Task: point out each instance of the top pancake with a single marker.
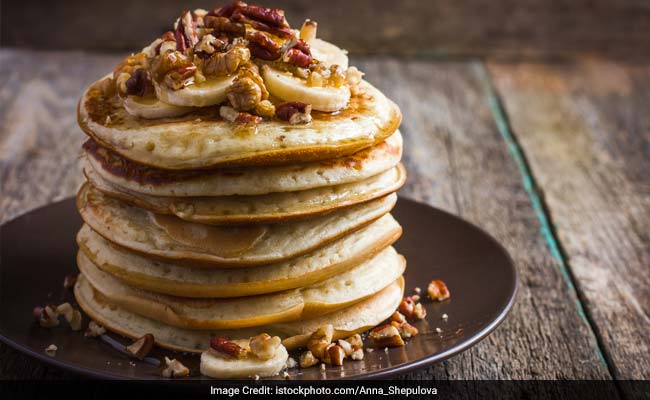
(202, 139)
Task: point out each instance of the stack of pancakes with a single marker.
(196, 226)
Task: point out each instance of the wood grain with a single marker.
(408, 27)
(455, 157)
(585, 128)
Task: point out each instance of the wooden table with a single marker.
(553, 159)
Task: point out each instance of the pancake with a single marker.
(201, 139)
(244, 181)
(180, 280)
(321, 298)
(350, 320)
(171, 238)
(270, 208)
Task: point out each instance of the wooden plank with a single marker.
(411, 27)
(585, 129)
(456, 159)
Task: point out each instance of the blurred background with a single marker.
(456, 28)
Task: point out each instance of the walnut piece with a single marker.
(419, 312)
(264, 347)
(307, 359)
(94, 330)
(406, 307)
(222, 64)
(265, 109)
(320, 339)
(405, 329)
(386, 336)
(141, 347)
(71, 315)
(437, 290)
(47, 316)
(174, 369)
(244, 94)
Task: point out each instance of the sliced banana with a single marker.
(290, 88)
(328, 53)
(152, 108)
(213, 91)
(232, 368)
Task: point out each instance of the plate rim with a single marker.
(372, 375)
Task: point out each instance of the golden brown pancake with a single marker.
(201, 139)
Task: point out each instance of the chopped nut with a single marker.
(51, 350)
(416, 297)
(94, 330)
(320, 339)
(405, 329)
(323, 367)
(174, 369)
(445, 317)
(291, 362)
(225, 347)
(438, 330)
(139, 84)
(417, 290)
(337, 76)
(285, 374)
(386, 336)
(308, 30)
(406, 307)
(437, 290)
(397, 316)
(419, 312)
(247, 119)
(353, 77)
(307, 359)
(263, 47)
(355, 341)
(207, 44)
(264, 347)
(296, 52)
(46, 316)
(185, 34)
(294, 111)
(346, 346)
(263, 19)
(180, 77)
(71, 315)
(69, 281)
(141, 347)
(228, 113)
(357, 355)
(265, 109)
(334, 355)
(222, 64)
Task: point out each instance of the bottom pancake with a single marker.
(348, 321)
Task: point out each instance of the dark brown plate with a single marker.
(38, 251)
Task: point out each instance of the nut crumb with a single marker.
(322, 366)
(291, 363)
(51, 350)
(417, 290)
(438, 330)
(94, 330)
(445, 317)
(174, 369)
(256, 377)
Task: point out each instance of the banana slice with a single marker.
(328, 53)
(289, 88)
(152, 108)
(213, 91)
(232, 368)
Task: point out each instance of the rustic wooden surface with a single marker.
(462, 156)
(585, 129)
(432, 27)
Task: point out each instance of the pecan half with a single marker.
(437, 290)
(223, 26)
(228, 10)
(263, 47)
(224, 346)
(294, 111)
(270, 20)
(298, 54)
(185, 34)
(139, 84)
